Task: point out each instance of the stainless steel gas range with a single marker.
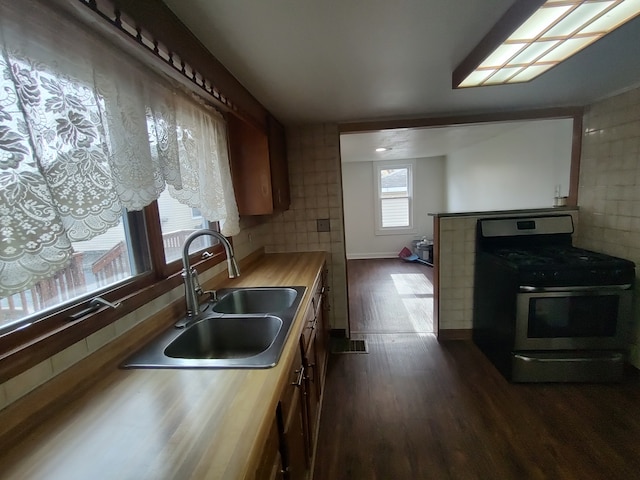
(545, 311)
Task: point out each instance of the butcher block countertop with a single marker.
(168, 424)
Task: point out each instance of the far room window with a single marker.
(394, 192)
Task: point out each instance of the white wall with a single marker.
(516, 170)
(359, 207)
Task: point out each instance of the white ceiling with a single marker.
(312, 61)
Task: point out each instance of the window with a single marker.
(95, 264)
(177, 222)
(89, 140)
(394, 190)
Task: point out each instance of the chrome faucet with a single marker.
(192, 289)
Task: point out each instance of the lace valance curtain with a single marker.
(86, 131)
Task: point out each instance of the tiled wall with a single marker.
(457, 251)
(609, 192)
(316, 193)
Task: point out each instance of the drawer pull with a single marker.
(298, 382)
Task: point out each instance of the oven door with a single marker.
(568, 318)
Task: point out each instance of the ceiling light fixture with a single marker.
(536, 35)
(382, 149)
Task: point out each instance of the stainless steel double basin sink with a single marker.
(244, 328)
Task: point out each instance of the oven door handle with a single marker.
(579, 288)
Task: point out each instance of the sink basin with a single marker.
(246, 328)
(226, 337)
(255, 300)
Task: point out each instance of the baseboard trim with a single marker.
(448, 334)
(370, 256)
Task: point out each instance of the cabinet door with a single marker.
(312, 391)
(291, 415)
(270, 467)
(322, 344)
(322, 329)
(250, 167)
(295, 457)
(279, 166)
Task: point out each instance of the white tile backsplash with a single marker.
(316, 192)
(609, 192)
(22, 384)
(100, 338)
(69, 356)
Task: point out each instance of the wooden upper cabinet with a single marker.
(249, 158)
(279, 166)
(258, 166)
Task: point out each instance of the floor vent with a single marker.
(347, 345)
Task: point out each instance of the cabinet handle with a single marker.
(298, 382)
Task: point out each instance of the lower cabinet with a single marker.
(270, 466)
(314, 344)
(311, 391)
(291, 424)
(294, 433)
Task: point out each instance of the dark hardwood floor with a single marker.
(390, 295)
(413, 408)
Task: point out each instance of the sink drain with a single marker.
(348, 345)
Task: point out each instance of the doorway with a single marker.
(468, 165)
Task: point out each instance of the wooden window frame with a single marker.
(25, 347)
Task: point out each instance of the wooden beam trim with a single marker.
(463, 119)
(156, 17)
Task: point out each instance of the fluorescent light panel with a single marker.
(553, 33)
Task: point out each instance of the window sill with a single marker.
(396, 231)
